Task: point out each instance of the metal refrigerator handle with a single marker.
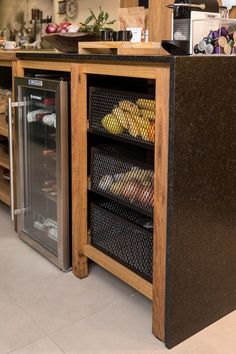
(198, 6)
(10, 121)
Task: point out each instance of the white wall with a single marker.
(11, 10)
(111, 6)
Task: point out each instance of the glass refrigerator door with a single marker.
(40, 163)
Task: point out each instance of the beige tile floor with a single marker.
(43, 310)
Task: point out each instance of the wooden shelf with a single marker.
(4, 160)
(3, 125)
(129, 277)
(5, 191)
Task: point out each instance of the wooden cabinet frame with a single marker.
(81, 248)
(7, 60)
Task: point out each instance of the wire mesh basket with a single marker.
(127, 115)
(118, 171)
(123, 234)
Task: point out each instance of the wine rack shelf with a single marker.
(3, 125)
(4, 160)
(4, 190)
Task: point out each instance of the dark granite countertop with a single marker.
(74, 57)
(114, 58)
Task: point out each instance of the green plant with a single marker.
(97, 23)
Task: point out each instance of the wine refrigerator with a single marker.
(40, 156)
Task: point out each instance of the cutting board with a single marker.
(119, 48)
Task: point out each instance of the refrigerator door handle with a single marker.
(10, 120)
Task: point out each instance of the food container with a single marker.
(125, 174)
(214, 36)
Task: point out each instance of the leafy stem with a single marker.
(97, 23)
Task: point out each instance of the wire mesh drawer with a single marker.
(124, 235)
(118, 171)
(124, 114)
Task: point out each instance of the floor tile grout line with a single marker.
(88, 316)
(24, 346)
(31, 318)
(57, 345)
(44, 337)
(73, 322)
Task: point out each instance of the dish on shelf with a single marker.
(4, 145)
(68, 42)
(6, 174)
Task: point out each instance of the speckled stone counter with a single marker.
(201, 256)
(201, 235)
(94, 57)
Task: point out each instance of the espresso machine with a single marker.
(184, 13)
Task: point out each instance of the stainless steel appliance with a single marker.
(42, 166)
(184, 13)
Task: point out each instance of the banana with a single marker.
(147, 113)
(111, 124)
(130, 107)
(146, 104)
(121, 117)
(133, 127)
(144, 131)
(141, 121)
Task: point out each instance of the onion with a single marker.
(62, 30)
(51, 28)
(73, 28)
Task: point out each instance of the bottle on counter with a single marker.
(7, 34)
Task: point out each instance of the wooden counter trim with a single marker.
(46, 65)
(123, 273)
(7, 55)
(79, 170)
(138, 71)
(6, 63)
(160, 197)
